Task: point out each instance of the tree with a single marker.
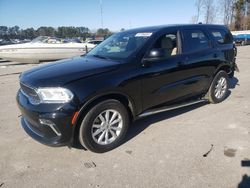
(239, 14)
(50, 31)
(29, 33)
(209, 11)
(198, 6)
(46, 31)
(227, 10)
(103, 32)
(41, 31)
(61, 32)
(83, 32)
(247, 19)
(3, 31)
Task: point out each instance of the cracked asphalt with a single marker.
(204, 145)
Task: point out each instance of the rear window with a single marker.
(222, 36)
(195, 40)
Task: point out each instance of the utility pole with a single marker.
(101, 14)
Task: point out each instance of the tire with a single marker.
(222, 83)
(94, 127)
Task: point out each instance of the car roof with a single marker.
(179, 26)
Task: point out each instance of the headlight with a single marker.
(54, 95)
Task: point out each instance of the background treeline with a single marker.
(233, 13)
(61, 32)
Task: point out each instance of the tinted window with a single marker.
(195, 40)
(222, 37)
(168, 44)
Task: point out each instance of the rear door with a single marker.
(201, 58)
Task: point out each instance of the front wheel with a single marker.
(104, 126)
(218, 90)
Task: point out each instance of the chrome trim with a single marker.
(58, 133)
(148, 113)
(28, 125)
(52, 126)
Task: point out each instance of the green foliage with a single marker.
(103, 32)
(30, 33)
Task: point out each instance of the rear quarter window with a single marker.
(222, 36)
(195, 40)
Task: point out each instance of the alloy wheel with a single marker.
(107, 127)
(220, 88)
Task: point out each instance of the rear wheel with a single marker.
(218, 90)
(104, 126)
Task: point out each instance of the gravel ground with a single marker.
(198, 146)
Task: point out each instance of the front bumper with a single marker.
(59, 133)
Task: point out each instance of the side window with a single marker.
(195, 40)
(221, 36)
(168, 43)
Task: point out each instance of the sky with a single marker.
(117, 14)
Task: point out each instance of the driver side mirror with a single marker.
(154, 55)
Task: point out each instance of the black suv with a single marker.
(92, 99)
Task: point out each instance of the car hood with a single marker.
(62, 72)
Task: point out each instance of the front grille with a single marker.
(30, 93)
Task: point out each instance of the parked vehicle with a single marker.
(93, 99)
(43, 49)
(242, 39)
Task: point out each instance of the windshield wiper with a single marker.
(101, 57)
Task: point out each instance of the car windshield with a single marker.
(120, 46)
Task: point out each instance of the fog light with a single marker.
(51, 125)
